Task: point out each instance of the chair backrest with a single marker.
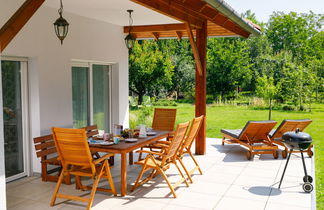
(193, 132)
(176, 141)
(91, 130)
(257, 130)
(290, 125)
(164, 119)
(44, 146)
(72, 147)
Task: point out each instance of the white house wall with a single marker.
(49, 63)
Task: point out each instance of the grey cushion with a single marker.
(234, 133)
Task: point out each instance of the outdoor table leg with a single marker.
(123, 175)
(130, 156)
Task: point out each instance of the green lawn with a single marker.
(234, 117)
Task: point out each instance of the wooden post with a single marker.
(200, 103)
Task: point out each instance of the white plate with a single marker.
(131, 140)
(151, 133)
(106, 143)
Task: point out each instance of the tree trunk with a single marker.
(140, 99)
(270, 108)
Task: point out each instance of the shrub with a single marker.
(165, 102)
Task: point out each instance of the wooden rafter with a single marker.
(194, 49)
(17, 21)
(180, 14)
(194, 8)
(156, 35)
(179, 35)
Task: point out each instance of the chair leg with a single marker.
(110, 179)
(184, 178)
(167, 181)
(78, 183)
(140, 175)
(187, 172)
(194, 160)
(57, 187)
(44, 172)
(94, 189)
(140, 155)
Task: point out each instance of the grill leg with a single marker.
(305, 171)
(283, 173)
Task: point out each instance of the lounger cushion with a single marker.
(234, 133)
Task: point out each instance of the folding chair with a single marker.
(160, 164)
(76, 159)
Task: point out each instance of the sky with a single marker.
(264, 8)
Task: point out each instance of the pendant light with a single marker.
(129, 39)
(61, 26)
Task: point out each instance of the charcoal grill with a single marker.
(297, 140)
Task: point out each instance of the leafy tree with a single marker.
(228, 66)
(183, 79)
(267, 90)
(149, 69)
(291, 31)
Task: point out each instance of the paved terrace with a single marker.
(229, 181)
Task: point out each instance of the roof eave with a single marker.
(230, 13)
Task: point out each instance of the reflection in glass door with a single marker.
(13, 116)
(91, 87)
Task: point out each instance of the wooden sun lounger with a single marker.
(290, 125)
(254, 136)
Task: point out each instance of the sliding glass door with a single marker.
(91, 95)
(14, 92)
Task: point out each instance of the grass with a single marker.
(235, 117)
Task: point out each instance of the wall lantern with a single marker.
(61, 26)
(129, 39)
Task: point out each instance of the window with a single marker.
(91, 91)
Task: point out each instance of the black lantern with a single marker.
(61, 26)
(129, 39)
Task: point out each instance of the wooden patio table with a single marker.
(125, 147)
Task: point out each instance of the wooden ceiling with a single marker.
(174, 31)
(194, 12)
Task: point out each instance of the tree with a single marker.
(184, 66)
(267, 89)
(149, 70)
(291, 31)
(228, 66)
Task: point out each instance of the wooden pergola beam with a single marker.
(180, 14)
(17, 21)
(203, 10)
(157, 28)
(194, 48)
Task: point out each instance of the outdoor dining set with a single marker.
(84, 153)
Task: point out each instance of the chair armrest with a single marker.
(164, 142)
(150, 152)
(106, 156)
(160, 145)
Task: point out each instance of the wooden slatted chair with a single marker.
(290, 125)
(253, 133)
(46, 150)
(163, 119)
(168, 156)
(75, 156)
(187, 143)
